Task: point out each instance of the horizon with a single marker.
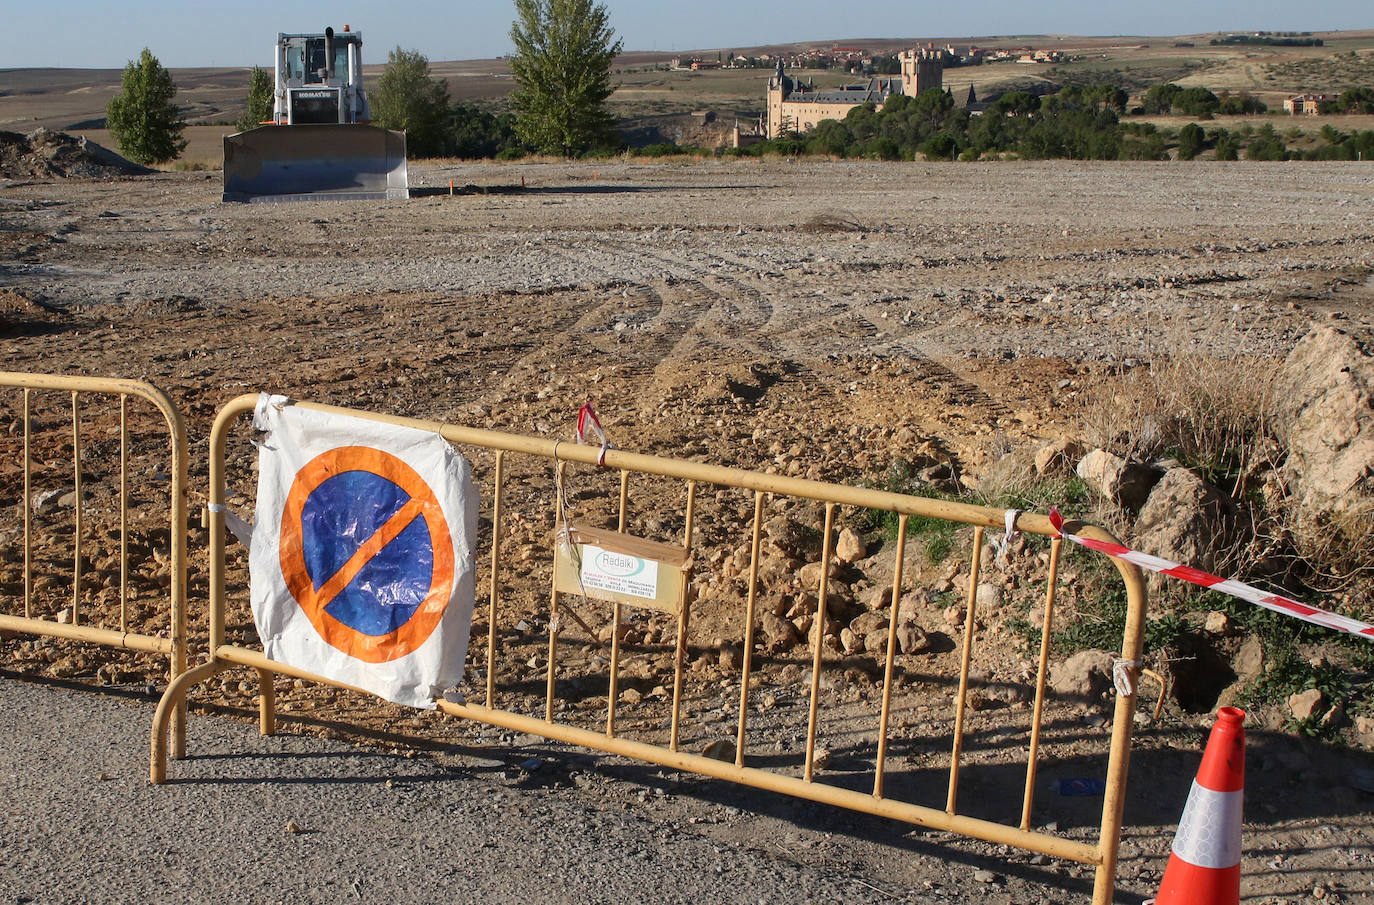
(187, 38)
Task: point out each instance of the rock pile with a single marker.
(47, 155)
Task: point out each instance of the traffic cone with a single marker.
(1204, 866)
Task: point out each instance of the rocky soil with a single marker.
(843, 321)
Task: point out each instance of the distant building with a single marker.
(795, 107)
(1308, 104)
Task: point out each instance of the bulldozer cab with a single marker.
(307, 63)
(320, 79)
(319, 145)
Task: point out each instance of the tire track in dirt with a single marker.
(750, 328)
(656, 321)
(931, 363)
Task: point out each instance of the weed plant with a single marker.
(936, 535)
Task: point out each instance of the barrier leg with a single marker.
(174, 698)
(178, 730)
(267, 703)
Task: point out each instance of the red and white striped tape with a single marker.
(1238, 589)
(588, 423)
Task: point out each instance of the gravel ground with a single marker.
(803, 316)
(299, 819)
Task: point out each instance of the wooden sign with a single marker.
(606, 565)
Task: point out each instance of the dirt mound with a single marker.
(20, 315)
(45, 154)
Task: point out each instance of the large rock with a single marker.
(1187, 520)
(1248, 665)
(787, 537)
(912, 639)
(1057, 458)
(1304, 705)
(1123, 482)
(849, 547)
(1085, 675)
(1324, 416)
(778, 633)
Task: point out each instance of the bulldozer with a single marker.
(319, 145)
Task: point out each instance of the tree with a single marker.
(940, 146)
(1266, 145)
(1197, 101)
(829, 137)
(409, 99)
(1160, 98)
(1356, 100)
(259, 100)
(474, 133)
(1015, 103)
(1190, 140)
(145, 123)
(1242, 104)
(562, 65)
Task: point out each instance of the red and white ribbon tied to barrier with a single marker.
(587, 425)
(1239, 589)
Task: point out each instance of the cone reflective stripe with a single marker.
(1204, 865)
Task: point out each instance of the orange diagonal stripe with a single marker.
(370, 548)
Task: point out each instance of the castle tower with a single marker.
(779, 87)
(922, 70)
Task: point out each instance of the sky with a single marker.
(98, 35)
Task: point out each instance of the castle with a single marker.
(794, 107)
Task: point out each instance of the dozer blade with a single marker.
(315, 163)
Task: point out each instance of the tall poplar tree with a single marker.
(410, 99)
(145, 123)
(562, 67)
(259, 102)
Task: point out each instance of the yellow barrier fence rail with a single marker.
(126, 585)
(530, 494)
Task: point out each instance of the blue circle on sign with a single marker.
(341, 515)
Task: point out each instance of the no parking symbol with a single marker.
(365, 551)
(368, 579)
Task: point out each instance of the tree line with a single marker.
(1077, 123)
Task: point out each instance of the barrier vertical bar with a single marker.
(28, 515)
(617, 613)
(613, 688)
(747, 661)
(1046, 627)
(215, 510)
(177, 567)
(76, 539)
(891, 656)
(960, 703)
(496, 514)
(123, 512)
(680, 649)
(560, 470)
(1123, 723)
(819, 628)
(267, 703)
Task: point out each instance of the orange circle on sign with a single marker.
(407, 638)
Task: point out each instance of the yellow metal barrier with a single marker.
(67, 455)
(545, 488)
